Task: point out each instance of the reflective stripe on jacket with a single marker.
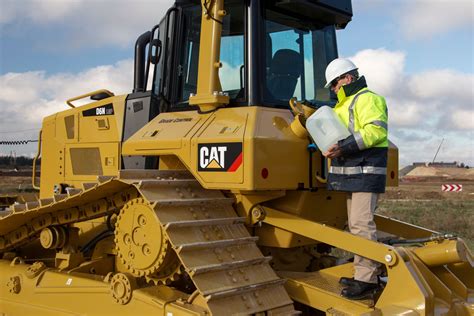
(363, 164)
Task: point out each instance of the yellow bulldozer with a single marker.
(196, 194)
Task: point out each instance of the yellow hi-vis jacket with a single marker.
(363, 165)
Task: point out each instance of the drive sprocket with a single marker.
(142, 244)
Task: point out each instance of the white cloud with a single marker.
(427, 18)
(36, 94)
(229, 77)
(463, 119)
(443, 83)
(421, 19)
(404, 113)
(86, 22)
(423, 151)
(423, 107)
(25, 98)
(436, 103)
(384, 68)
(37, 11)
(434, 93)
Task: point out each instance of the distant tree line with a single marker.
(17, 161)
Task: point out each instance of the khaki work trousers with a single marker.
(360, 217)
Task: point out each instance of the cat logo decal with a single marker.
(224, 157)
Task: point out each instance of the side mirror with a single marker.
(155, 51)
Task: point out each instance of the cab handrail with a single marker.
(82, 96)
(38, 154)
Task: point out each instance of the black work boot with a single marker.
(359, 290)
(346, 281)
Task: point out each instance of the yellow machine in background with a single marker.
(200, 196)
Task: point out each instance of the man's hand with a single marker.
(333, 152)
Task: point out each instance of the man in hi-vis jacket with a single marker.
(358, 164)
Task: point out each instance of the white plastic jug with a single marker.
(326, 128)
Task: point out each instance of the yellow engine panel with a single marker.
(272, 156)
(262, 135)
(78, 147)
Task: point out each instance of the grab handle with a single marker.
(69, 101)
(38, 153)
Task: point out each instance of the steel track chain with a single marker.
(212, 243)
(25, 221)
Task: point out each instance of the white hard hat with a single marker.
(337, 68)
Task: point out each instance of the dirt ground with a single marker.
(424, 204)
(419, 201)
(447, 173)
(15, 184)
(429, 190)
(410, 189)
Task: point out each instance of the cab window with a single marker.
(232, 53)
(296, 55)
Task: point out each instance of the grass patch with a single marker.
(445, 216)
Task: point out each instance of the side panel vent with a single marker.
(69, 123)
(86, 161)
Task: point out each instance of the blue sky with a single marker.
(417, 53)
(379, 24)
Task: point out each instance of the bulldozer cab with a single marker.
(270, 51)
